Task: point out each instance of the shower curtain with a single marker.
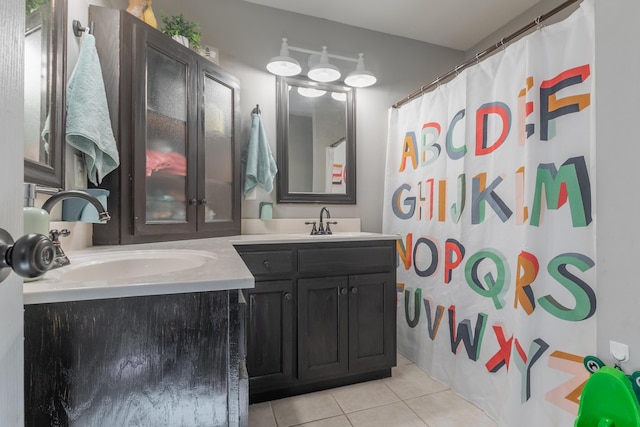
(490, 182)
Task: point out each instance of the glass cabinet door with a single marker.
(166, 143)
(218, 191)
(165, 202)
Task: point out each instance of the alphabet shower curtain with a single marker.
(490, 182)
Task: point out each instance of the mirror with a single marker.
(316, 142)
(44, 82)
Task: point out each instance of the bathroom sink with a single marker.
(344, 235)
(119, 266)
(332, 236)
(161, 268)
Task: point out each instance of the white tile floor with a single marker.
(409, 398)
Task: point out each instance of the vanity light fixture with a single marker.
(283, 64)
(322, 71)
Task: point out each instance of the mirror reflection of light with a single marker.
(339, 96)
(310, 92)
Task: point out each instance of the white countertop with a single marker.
(252, 239)
(223, 270)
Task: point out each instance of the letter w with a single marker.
(472, 340)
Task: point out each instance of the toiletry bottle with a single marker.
(36, 220)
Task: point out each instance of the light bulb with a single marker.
(324, 71)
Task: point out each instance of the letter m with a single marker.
(555, 187)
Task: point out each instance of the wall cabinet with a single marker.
(321, 315)
(175, 117)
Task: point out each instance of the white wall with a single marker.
(617, 195)
(541, 8)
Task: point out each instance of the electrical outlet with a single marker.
(619, 351)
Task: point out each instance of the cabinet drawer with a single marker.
(268, 262)
(376, 258)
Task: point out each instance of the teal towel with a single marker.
(260, 166)
(88, 126)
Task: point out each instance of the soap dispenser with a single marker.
(36, 220)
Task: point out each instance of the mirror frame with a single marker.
(53, 174)
(284, 195)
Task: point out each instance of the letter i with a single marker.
(525, 109)
(442, 200)
(522, 211)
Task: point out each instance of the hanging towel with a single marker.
(88, 126)
(260, 166)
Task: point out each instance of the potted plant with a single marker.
(176, 26)
(32, 5)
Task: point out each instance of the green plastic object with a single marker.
(608, 400)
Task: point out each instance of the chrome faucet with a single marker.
(61, 258)
(103, 215)
(321, 229)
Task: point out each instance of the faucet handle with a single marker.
(321, 228)
(313, 229)
(329, 223)
(55, 234)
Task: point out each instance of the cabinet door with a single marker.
(270, 334)
(219, 191)
(165, 135)
(322, 327)
(372, 321)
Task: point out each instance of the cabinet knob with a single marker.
(287, 296)
(354, 290)
(343, 291)
(193, 202)
(266, 264)
(203, 201)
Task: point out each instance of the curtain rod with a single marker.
(485, 52)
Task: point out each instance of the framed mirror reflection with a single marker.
(316, 142)
(45, 52)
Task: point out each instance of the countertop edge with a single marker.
(234, 273)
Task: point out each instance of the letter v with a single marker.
(433, 322)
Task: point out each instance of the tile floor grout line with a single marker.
(337, 403)
(417, 415)
(396, 394)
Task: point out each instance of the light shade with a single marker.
(360, 77)
(311, 92)
(339, 96)
(323, 71)
(283, 64)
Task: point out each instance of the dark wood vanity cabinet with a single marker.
(175, 117)
(270, 314)
(344, 324)
(321, 315)
(157, 360)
